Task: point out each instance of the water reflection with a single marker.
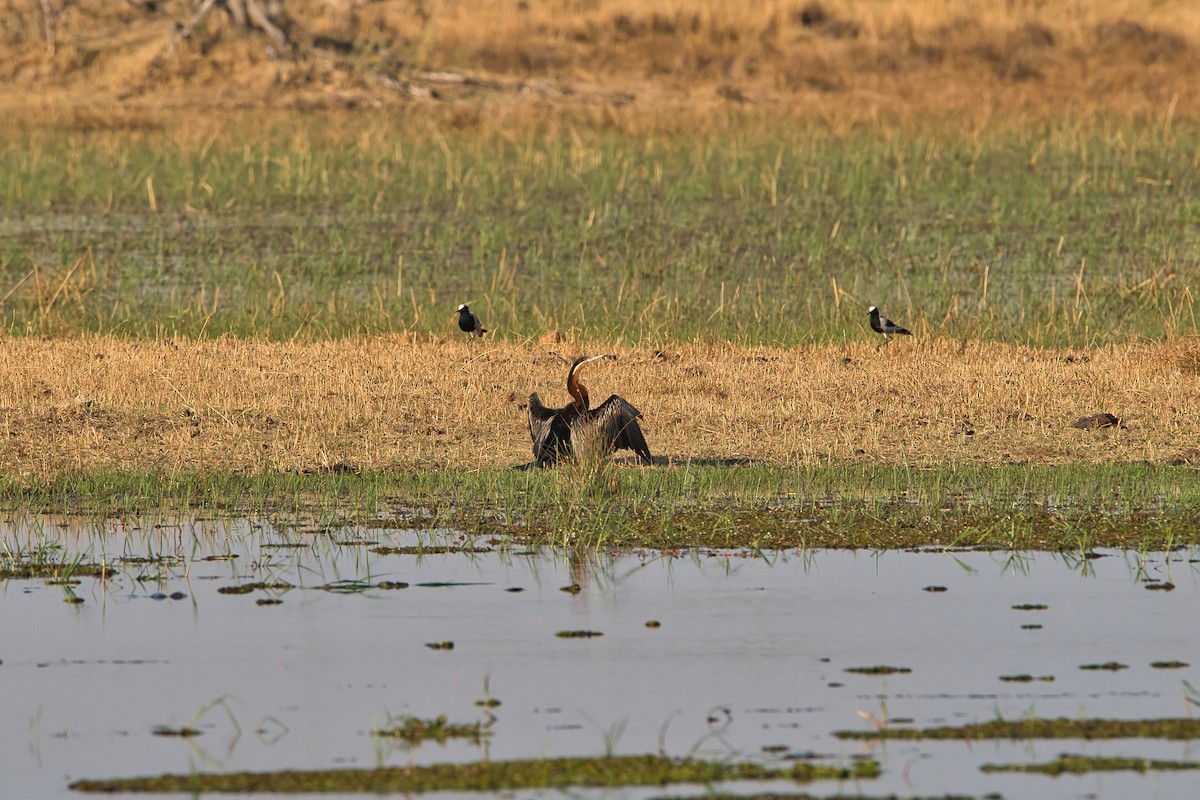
(285, 644)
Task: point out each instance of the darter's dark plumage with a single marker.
(615, 420)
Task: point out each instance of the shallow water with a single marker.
(749, 662)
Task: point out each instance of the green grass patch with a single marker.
(1067, 764)
(483, 776)
(1060, 728)
(314, 228)
(1072, 508)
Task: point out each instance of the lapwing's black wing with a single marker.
(618, 420)
(881, 324)
(477, 328)
(550, 431)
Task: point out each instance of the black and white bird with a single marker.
(615, 421)
(468, 322)
(883, 325)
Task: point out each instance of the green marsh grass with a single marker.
(1068, 509)
(484, 776)
(1041, 728)
(1068, 764)
(755, 233)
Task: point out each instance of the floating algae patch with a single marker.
(428, 550)
(355, 586)
(1061, 728)
(415, 730)
(805, 795)
(183, 732)
(1067, 764)
(482, 776)
(53, 569)
(247, 588)
(881, 669)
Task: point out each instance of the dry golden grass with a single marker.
(400, 403)
(971, 63)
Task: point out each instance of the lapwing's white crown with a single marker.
(464, 305)
(872, 308)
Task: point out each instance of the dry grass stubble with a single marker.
(403, 403)
(660, 63)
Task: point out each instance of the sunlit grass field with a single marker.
(750, 231)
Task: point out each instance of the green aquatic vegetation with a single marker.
(357, 586)
(719, 795)
(183, 732)
(56, 571)
(428, 550)
(247, 588)
(43, 558)
(483, 776)
(762, 506)
(414, 730)
(1067, 764)
(191, 728)
(1034, 728)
